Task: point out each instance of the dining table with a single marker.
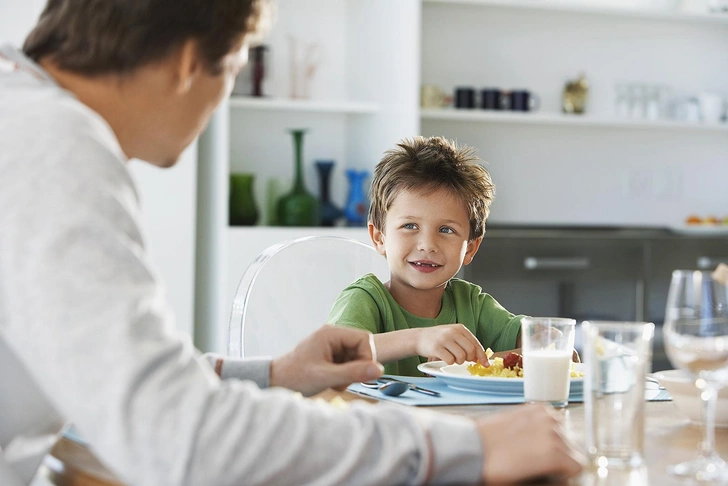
(669, 438)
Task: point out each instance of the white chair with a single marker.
(288, 291)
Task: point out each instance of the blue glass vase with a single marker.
(357, 204)
(329, 212)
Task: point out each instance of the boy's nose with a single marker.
(427, 244)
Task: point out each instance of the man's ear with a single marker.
(377, 239)
(187, 66)
(471, 250)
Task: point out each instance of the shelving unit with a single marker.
(309, 106)
(537, 118)
(639, 10)
(596, 168)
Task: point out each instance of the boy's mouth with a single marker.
(425, 264)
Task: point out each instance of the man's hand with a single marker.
(451, 343)
(331, 357)
(526, 443)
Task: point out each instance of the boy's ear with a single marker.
(377, 239)
(471, 250)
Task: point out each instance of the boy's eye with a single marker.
(446, 229)
(409, 226)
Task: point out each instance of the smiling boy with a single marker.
(430, 200)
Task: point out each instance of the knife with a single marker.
(412, 387)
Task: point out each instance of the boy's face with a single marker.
(425, 238)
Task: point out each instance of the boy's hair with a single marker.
(428, 164)
(94, 37)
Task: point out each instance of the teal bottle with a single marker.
(299, 207)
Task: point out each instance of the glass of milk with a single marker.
(617, 356)
(547, 347)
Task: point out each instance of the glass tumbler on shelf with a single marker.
(621, 101)
(243, 210)
(637, 101)
(696, 341)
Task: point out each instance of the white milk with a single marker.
(546, 376)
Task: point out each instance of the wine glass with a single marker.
(696, 341)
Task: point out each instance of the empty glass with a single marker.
(696, 341)
(616, 357)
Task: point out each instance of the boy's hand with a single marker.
(529, 431)
(331, 357)
(451, 343)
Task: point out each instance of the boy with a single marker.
(429, 203)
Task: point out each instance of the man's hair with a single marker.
(426, 165)
(94, 37)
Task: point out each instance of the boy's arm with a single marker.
(395, 345)
(451, 343)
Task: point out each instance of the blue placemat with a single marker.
(451, 396)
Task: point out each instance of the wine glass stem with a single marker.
(710, 399)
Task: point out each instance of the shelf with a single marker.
(311, 106)
(637, 11)
(483, 116)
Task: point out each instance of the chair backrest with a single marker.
(288, 291)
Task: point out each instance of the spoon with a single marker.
(390, 388)
(394, 388)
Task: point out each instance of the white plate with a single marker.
(458, 377)
(702, 229)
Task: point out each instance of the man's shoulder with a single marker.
(49, 115)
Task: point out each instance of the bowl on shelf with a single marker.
(686, 396)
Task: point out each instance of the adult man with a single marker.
(82, 313)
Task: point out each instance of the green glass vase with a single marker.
(243, 209)
(299, 207)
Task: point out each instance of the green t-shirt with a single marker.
(367, 304)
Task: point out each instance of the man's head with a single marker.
(170, 62)
(426, 165)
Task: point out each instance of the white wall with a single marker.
(17, 17)
(567, 175)
(168, 199)
(168, 196)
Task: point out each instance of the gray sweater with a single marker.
(86, 336)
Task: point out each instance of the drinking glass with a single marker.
(696, 341)
(547, 347)
(616, 358)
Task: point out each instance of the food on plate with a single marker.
(509, 366)
(513, 361)
(496, 369)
